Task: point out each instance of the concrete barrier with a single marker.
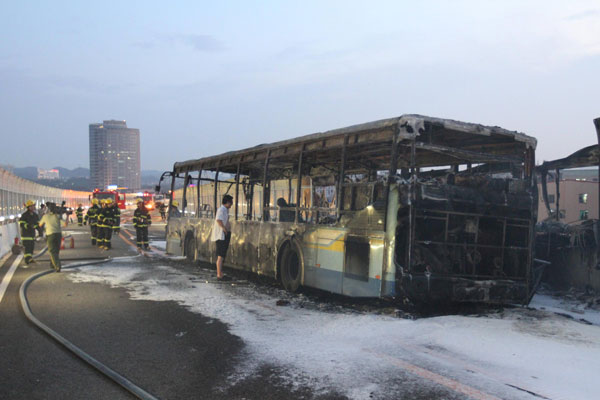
(8, 232)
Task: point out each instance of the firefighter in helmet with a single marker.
(105, 222)
(100, 224)
(92, 218)
(116, 228)
(141, 222)
(29, 222)
(173, 210)
(79, 213)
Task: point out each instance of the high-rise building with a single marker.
(115, 155)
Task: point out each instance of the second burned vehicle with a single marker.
(428, 208)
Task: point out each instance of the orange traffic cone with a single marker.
(16, 248)
(62, 243)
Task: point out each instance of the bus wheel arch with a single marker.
(189, 246)
(290, 265)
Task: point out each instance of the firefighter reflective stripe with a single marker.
(29, 245)
(26, 238)
(142, 237)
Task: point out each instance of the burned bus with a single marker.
(427, 208)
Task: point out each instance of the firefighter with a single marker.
(100, 224)
(105, 222)
(141, 222)
(29, 222)
(173, 210)
(163, 211)
(117, 218)
(92, 218)
(79, 213)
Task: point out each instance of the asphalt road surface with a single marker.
(141, 340)
(167, 326)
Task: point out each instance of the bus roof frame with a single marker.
(407, 128)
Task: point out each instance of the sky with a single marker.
(202, 78)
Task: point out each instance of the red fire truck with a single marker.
(114, 195)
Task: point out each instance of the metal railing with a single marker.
(15, 191)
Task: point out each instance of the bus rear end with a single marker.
(465, 229)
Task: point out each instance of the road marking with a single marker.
(439, 379)
(469, 367)
(9, 275)
(154, 249)
(130, 243)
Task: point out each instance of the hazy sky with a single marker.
(200, 78)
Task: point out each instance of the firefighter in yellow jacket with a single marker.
(29, 222)
(141, 222)
(105, 223)
(116, 228)
(92, 218)
(79, 214)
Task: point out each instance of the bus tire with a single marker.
(290, 271)
(190, 248)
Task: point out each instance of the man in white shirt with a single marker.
(221, 233)
(51, 221)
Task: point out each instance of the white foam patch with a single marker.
(361, 355)
(159, 244)
(573, 308)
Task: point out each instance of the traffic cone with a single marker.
(16, 248)
(62, 243)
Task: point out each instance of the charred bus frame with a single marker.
(430, 208)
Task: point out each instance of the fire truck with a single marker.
(114, 195)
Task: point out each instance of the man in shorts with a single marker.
(221, 234)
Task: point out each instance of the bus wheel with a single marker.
(190, 249)
(291, 268)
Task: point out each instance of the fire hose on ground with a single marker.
(108, 372)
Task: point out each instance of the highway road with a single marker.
(139, 339)
(167, 326)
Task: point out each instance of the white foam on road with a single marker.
(159, 244)
(573, 308)
(354, 353)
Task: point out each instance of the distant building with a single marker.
(48, 174)
(115, 155)
(578, 201)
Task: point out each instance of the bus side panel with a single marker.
(272, 235)
(175, 235)
(325, 272)
(205, 249)
(369, 284)
(243, 248)
(310, 258)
